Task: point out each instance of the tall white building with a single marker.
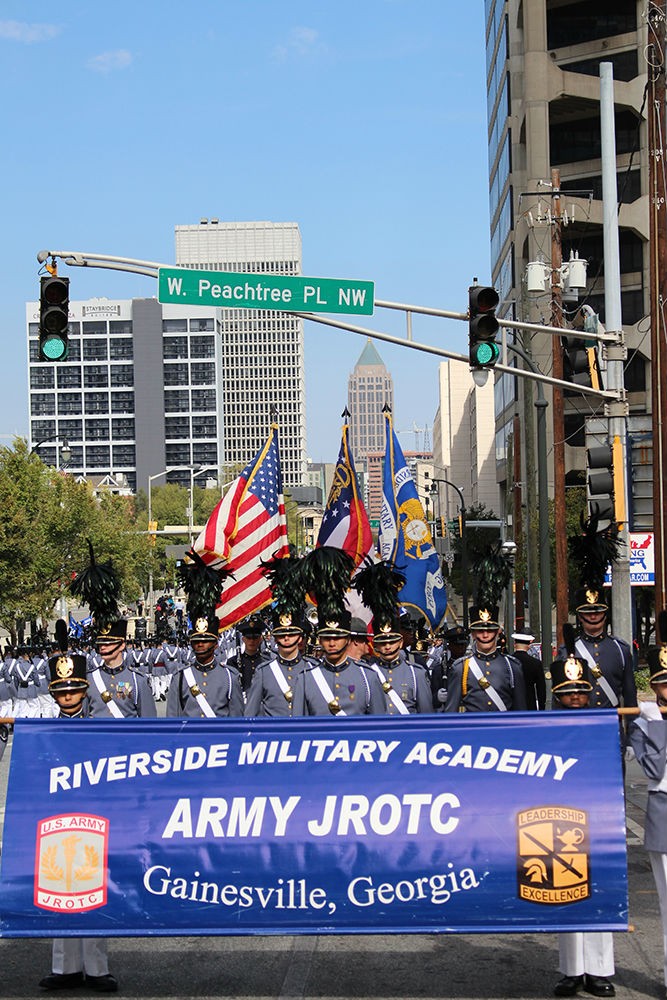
(138, 395)
(261, 350)
(150, 388)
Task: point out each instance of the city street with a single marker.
(458, 966)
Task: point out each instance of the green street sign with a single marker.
(232, 290)
(374, 523)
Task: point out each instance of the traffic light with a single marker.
(482, 327)
(152, 528)
(440, 530)
(580, 365)
(53, 318)
(605, 481)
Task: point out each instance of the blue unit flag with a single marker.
(418, 824)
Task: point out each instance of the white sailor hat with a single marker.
(523, 637)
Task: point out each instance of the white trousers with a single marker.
(659, 867)
(87, 955)
(586, 952)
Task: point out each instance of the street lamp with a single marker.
(464, 541)
(64, 454)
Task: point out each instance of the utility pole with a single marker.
(658, 289)
(615, 354)
(560, 525)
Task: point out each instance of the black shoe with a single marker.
(599, 986)
(102, 984)
(569, 986)
(62, 980)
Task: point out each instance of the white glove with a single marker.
(649, 710)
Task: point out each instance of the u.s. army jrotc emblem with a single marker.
(71, 863)
(201, 625)
(553, 855)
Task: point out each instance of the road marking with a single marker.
(298, 971)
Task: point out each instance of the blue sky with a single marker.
(364, 122)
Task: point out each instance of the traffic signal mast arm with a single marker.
(77, 258)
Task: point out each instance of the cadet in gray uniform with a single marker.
(271, 690)
(203, 688)
(609, 659)
(337, 685)
(117, 690)
(75, 961)
(405, 684)
(648, 738)
(247, 659)
(485, 680)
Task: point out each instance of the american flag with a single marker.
(247, 526)
(345, 524)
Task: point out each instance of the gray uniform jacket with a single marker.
(219, 685)
(123, 685)
(648, 739)
(265, 696)
(614, 658)
(502, 672)
(356, 688)
(410, 682)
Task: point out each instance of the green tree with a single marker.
(478, 543)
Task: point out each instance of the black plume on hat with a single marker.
(202, 584)
(288, 591)
(326, 577)
(593, 550)
(98, 586)
(378, 585)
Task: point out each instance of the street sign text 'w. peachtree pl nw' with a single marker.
(232, 290)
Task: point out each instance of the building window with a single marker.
(97, 430)
(71, 429)
(177, 427)
(43, 430)
(42, 378)
(95, 376)
(201, 325)
(177, 454)
(33, 351)
(203, 374)
(176, 401)
(123, 455)
(175, 348)
(204, 427)
(95, 402)
(176, 375)
(174, 326)
(205, 454)
(69, 377)
(202, 347)
(98, 328)
(74, 352)
(122, 402)
(119, 326)
(98, 455)
(203, 399)
(122, 429)
(69, 402)
(122, 376)
(94, 350)
(121, 349)
(43, 405)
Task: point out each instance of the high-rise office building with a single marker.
(369, 388)
(138, 394)
(262, 362)
(543, 86)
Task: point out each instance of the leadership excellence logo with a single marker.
(553, 855)
(71, 863)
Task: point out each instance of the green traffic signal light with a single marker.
(53, 318)
(482, 327)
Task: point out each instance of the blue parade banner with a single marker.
(465, 823)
